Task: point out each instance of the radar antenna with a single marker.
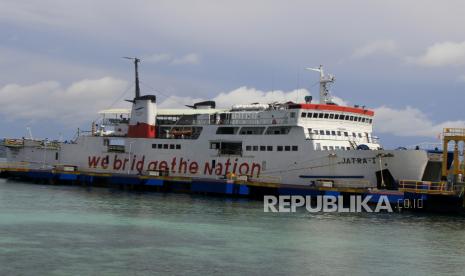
(325, 82)
(136, 68)
(30, 133)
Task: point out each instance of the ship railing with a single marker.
(26, 165)
(15, 165)
(114, 121)
(358, 140)
(425, 186)
(454, 132)
(352, 183)
(65, 168)
(266, 178)
(342, 183)
(13, 142)
(49, 144)
(244, 121)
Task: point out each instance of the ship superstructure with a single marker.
(289, 143)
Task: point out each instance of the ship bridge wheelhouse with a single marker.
(333, 127)
(113, 122)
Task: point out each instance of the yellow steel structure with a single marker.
(456, 135)
(426, 187)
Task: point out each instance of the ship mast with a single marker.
(136, 69)
(325, 82)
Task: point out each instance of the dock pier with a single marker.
(411, 195)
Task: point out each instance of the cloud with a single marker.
(241, 95)
(22, 66)
(178, 102)
(80, 101)
(406, 122)
(339, 101)
(152, 22)
(246, 95)
(191, 58)
(375, 48)
(409, 121)
(156, 58)
(72, 105)
(442, 54)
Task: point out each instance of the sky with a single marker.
(60, 61)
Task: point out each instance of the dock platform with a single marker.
(437, 197)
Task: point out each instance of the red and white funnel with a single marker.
(144, 111)
(143, 116)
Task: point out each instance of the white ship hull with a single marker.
(352, 168)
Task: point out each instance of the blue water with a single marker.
(63, 230)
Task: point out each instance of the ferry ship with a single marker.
(291, 143)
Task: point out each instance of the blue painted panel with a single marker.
(332, 193)
(86, 178)
(243, 190)
(229, 188)
(154, 182)
(211, 187)
(64, 176)
(40, 175)
(124, 180)
(423, 187)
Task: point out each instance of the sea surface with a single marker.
(70, 230)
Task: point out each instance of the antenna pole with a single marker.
(325, 81)
(136, 65)
(136, 69)
(30, 133)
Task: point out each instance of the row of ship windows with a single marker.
(270, 148)
(334, 133)
(336, 117)
(166, 146)
(272, 130)
(318, 147)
